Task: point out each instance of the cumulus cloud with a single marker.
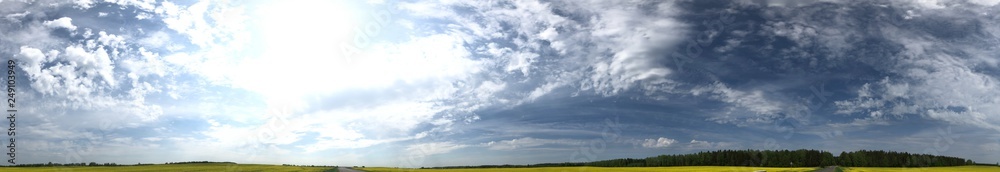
(64, 22)
(75, 79)
(32, 58)
(84, 4)
(658, 143)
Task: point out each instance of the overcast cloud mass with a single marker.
(421, 83)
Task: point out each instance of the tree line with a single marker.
(757, 158)
(767, 158)
(789, 158)
(868, 158)
(199, 162)
(50, 164)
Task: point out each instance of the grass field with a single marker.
(925, 169)
(568, 169)
(255, 167)
(174, 167)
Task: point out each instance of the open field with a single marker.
(569, 169)
(256, 167)
(174, 167)
(924, 169)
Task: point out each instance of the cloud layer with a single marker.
(441, 83)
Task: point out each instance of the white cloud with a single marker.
(149, 63)
(143, 16)
(931, 4)
(81, 78)
(157, 39)
(64, 22)
(93, 63)
(934, 85)
(862, 122)
(549, 34)
(342, 128)
(528, 143)
(32, 58)
(985, 2)
(521, 61)
(618, 49)
(34, 34)
(638, 42)
(325, 144)
(191, 21)
(750, 107)
(111, 40)
(540, 91)
(434, 148)
(701, 144)
(146, 5)
(84, 4)
(658, 143)
(16, 17)
(429, 9)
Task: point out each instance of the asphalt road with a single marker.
(829, 169)
(345, 169)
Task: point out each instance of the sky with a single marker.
(439, 83)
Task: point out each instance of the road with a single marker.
(828, 169)
(345, 169)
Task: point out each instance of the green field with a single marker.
(569, 169)
(174, 167)
(924, 169)
(256, 167)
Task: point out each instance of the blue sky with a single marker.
(422, 83)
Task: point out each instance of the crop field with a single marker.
(924, 169)
(572, 169)
(173, 167)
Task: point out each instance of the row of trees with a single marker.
(200, 162)
(765, 158)
(868, 158)
(768, 158)
(50, 164)
(334, 166)
(564, 164)
(787, 158)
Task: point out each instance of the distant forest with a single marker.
(50, 164)
(768, 158)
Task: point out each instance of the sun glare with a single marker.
(297, 39)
